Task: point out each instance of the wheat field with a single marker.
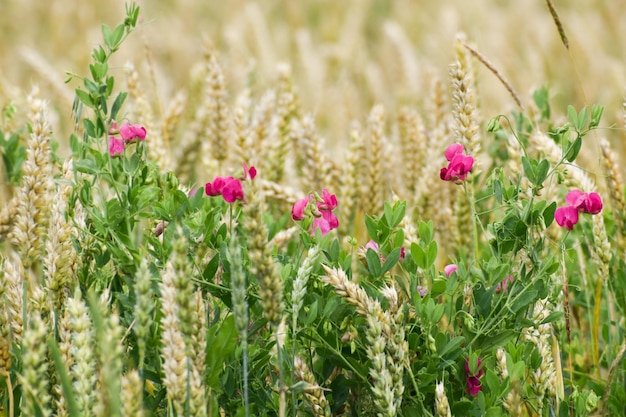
(312, 208)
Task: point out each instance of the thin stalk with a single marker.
(246, 401)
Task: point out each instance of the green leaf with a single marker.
(574, 149)
(84, 97)
(373, 263)
(572, 115)
(552, 317)
(582, 118)
(431, 254)
(86, 166)
(548, 214)
(221, 343)
(497, 190)
(66, 382)
(596, 115)
(541, 99)
(453, 345)
(524, 300)
(116, 36)
(529, 170)
(493, 412)
(542, 171)
(418, 255)
(117, 104)
(107, 36)
(391, 260)
(211, 268)
(439, 287)
(425, 231)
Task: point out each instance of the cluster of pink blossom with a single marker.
(322, 212)
(459, 164)
(473, 380)
(128, 132)
(449, 269)
(577, 202)
(229, 188)
(504, 285)
(376, 248)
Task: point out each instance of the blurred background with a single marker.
(345, 55)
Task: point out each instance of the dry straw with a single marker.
(497, 73)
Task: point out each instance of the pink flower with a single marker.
(473, 380)
(372, 245)
(322, 224)
(566, 216)
(449, 269)
(504, 285)
(129, 132)
(584, 202)
(458, 168)
(329, 201)
(323, 218)
(116, 146)
(297, 211)
(402, 253)
(248, 172)
(215, 188)
(232, 190)
(453, 150)
(330, 217)
(473, 385)
(422, 291)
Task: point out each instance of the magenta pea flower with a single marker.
(504, 285)
(454, 150)
(248, 172)
(459, 166)
(232, 190)
(329, 201)
(116, 146)
(130, 132)
(449, 269)
(473, 380)
(321, 224)
(584, 202)
(323, 217)
(297, 211)
(215, 188)
(372, 245)
(566, 216)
